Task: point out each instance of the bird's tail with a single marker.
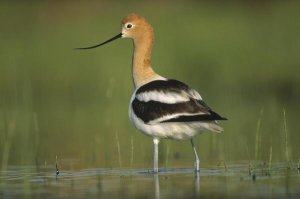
(213, 126)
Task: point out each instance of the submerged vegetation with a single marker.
(259, 163)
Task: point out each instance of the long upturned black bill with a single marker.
(109, 40)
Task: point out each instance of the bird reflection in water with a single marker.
(196, 184)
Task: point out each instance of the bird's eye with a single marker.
(129, 26)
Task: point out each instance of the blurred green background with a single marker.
(242, 56)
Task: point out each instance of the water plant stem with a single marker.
(270, 157)
(119, 150)
(287, 155)
(258, 135)
(132, 148)
(167, 155)
(56, 165)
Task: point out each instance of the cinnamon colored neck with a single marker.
(141, 66)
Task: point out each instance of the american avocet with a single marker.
(161, 107)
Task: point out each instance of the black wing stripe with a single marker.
(151, 110)
(164, 85)
(196, 118)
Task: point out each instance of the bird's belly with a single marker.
(170, 130)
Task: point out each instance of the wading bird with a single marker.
(160, 107)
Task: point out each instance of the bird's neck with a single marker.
(141, 67)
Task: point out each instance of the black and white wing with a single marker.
(162, 101)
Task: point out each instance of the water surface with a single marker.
(226, 181)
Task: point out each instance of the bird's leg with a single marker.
(155, 141)
(197, 161)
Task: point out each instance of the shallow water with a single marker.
(230, 181)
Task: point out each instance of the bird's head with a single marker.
(134, 27)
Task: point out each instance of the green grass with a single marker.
(258, 136)
(270, 157)
(287, 155)
(119, 150)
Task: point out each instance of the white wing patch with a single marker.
(172, 116)
(194, 94)
(163, 97)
